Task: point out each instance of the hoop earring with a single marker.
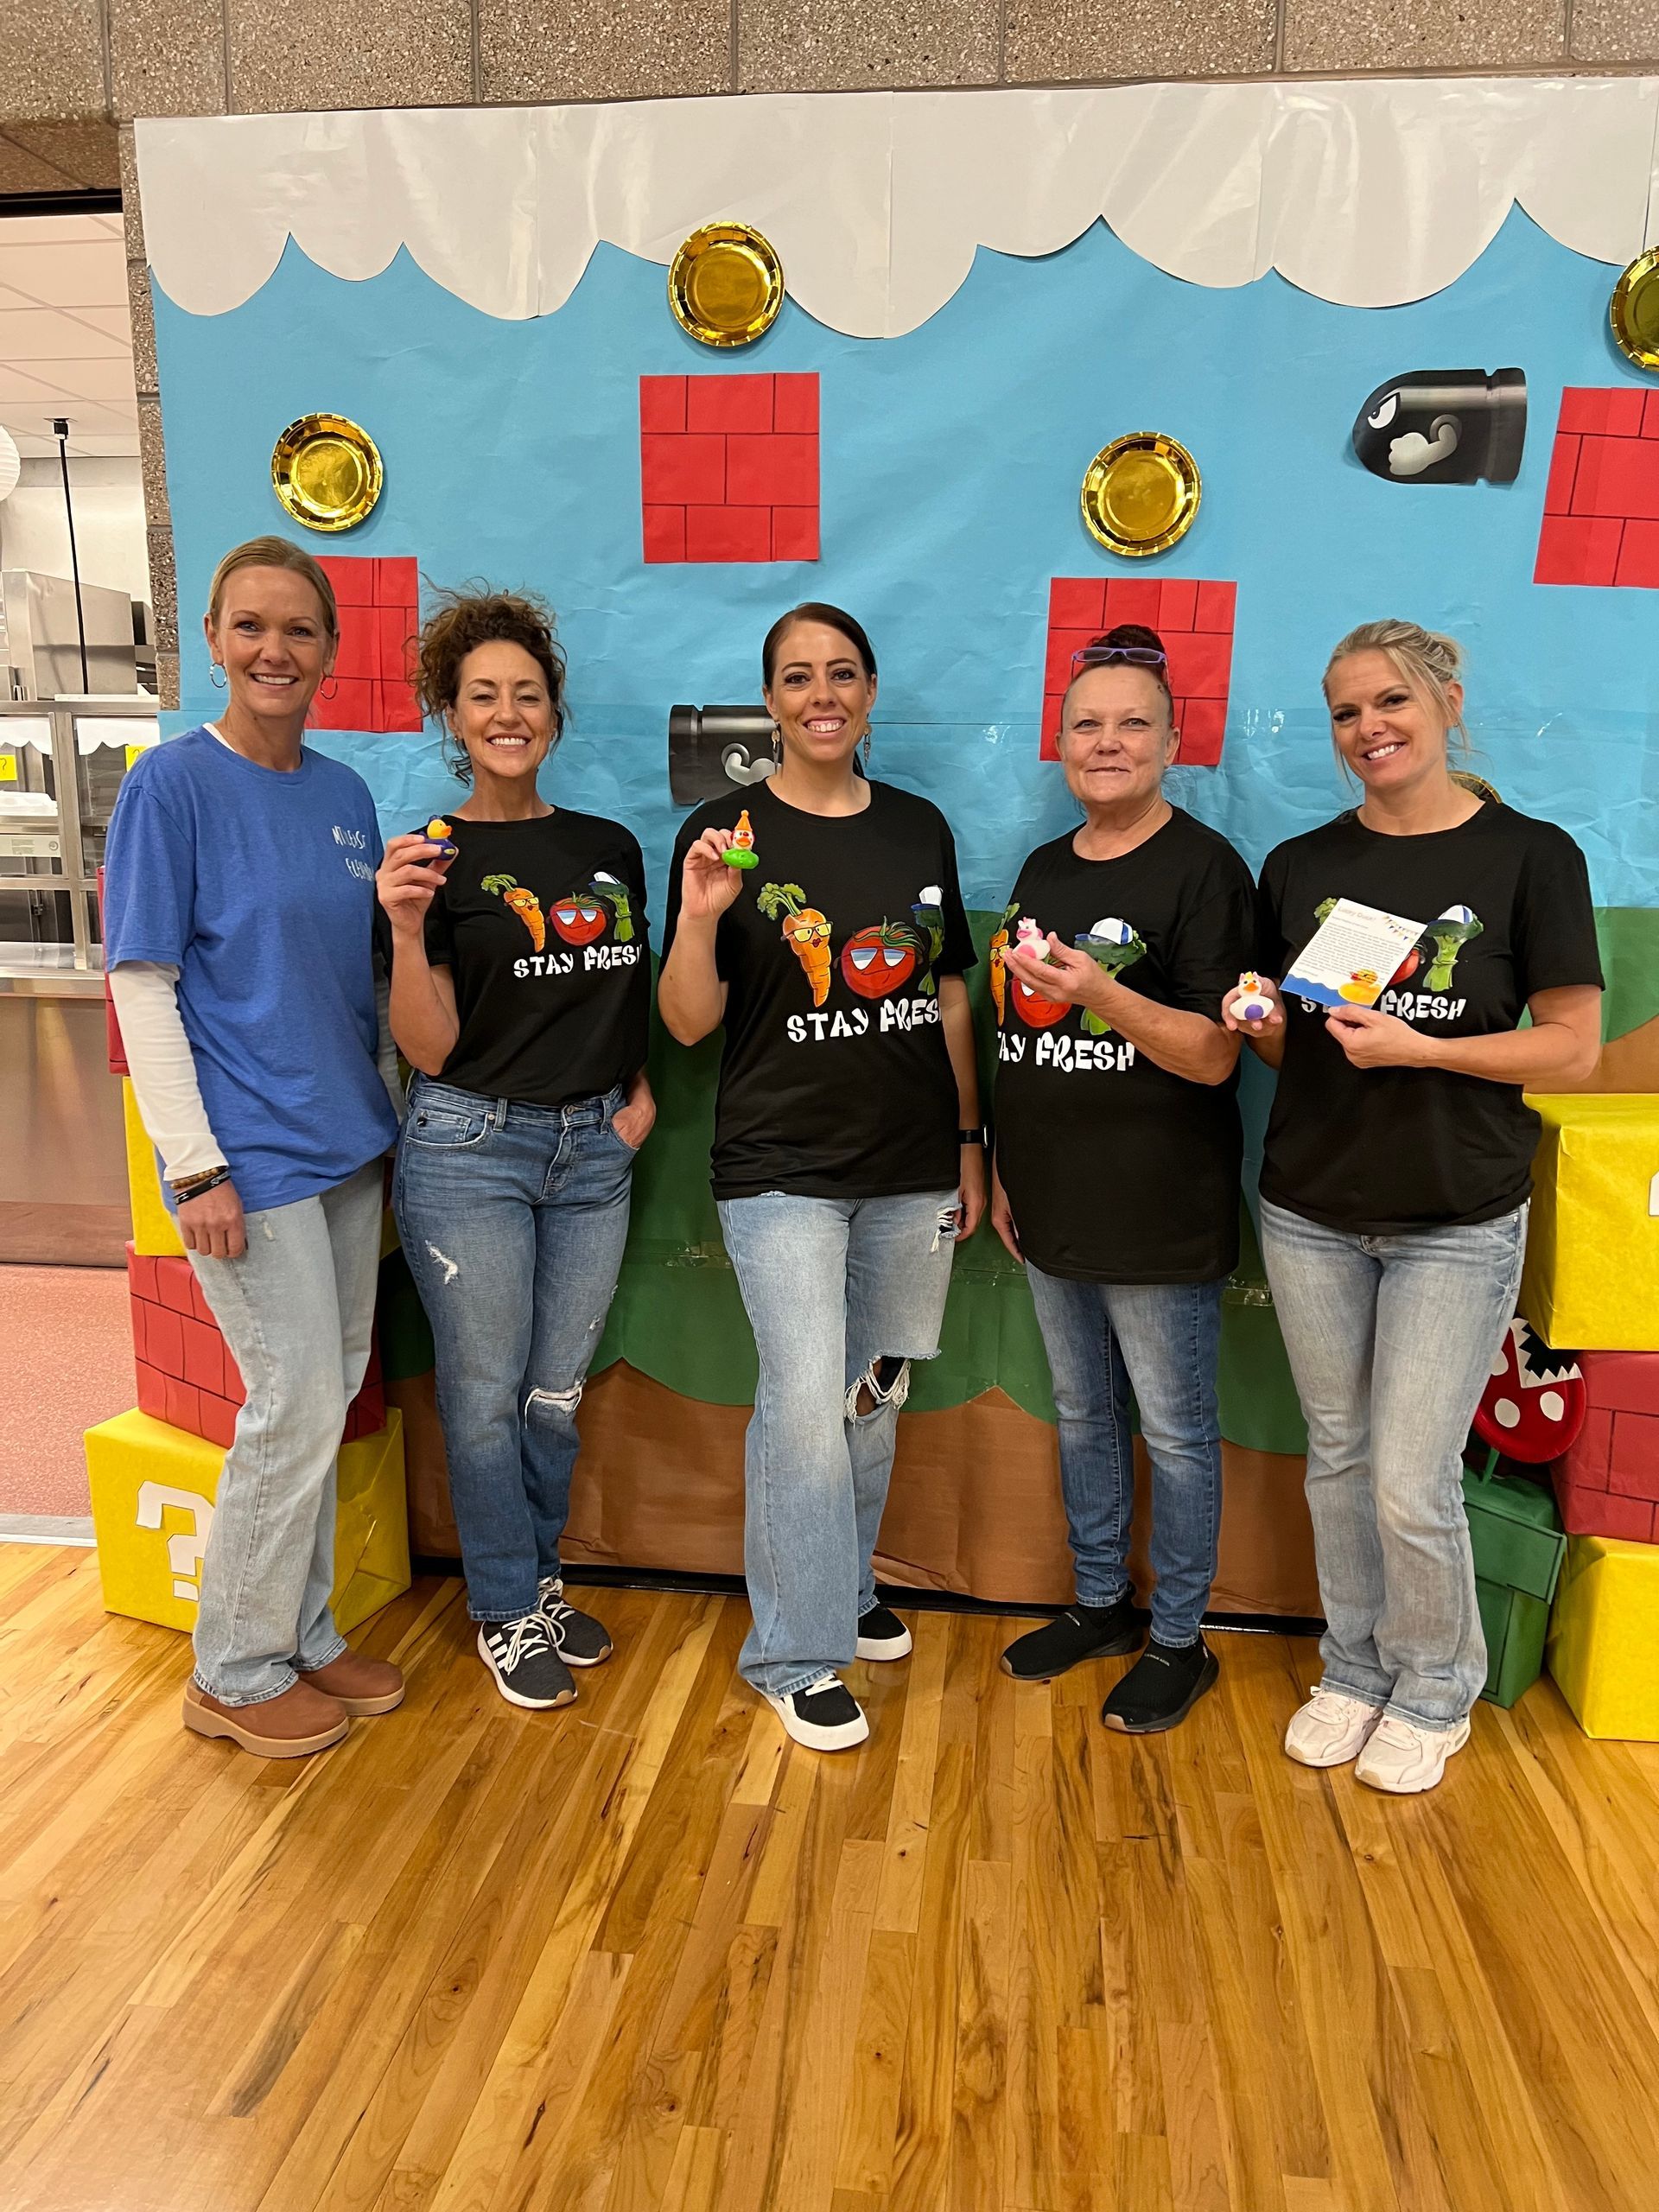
(327, 688)
(776, 747)
(217, 676)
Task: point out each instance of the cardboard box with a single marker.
(1593, 1249)
(1607, 1482)
(154, 1489)
(1603, 1637)
(1515, 1534)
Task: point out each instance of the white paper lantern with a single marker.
(11, 467)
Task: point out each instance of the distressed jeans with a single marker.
(1391, 1341)
(513, 1218)
(1163, 1339)
(298, 1313)
(842, 1293)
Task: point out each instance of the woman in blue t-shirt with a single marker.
(239, 913)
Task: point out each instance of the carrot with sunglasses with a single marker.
(1117, 1162)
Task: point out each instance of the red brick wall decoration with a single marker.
(1193, 618)
(728, 467)
(186, 1375)
(1601, 509)
(380, 614)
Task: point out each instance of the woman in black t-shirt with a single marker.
(1109, 1053)
(848, 1157)
(520, 990)
(1395, 1185)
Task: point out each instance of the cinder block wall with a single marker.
(74, 73)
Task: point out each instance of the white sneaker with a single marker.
(824, 1714)
(1403, 1758)
(1330, 1729)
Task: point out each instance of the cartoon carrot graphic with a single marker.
(615, 896)
(999, 973)
(524, 903)
(805, 930)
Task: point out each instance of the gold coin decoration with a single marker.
(1141, 493)
(725, 284)
(1634, 311)
(327, 472)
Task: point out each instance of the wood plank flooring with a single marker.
(644, 1956)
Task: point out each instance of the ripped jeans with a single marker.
(842, 1293)
(513, 1218)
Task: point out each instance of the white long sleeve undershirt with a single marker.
(163, 1069)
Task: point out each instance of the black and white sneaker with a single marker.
(1081, 1632)
(882, 1635)
(824, 1715)
(525, 1663)
(580, 1640)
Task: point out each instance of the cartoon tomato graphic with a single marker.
(878, 961)
(1036, 1013)
(1407, 967)
(579, 919)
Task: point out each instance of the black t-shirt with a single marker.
(835, 1081)
(1117, 1171)
(542, 925)
(1376, 1150)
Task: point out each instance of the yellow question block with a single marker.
(153, 1232)
(1591, 1280)
(1603, 1637)
(153, 1491)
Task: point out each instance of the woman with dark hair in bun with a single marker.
(1117, 1162)
(520, 992)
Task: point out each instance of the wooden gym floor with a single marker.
(641, 1954)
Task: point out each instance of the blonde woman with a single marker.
(239, 913)
(1396, 1181)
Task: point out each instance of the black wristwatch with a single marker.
(973, 1136)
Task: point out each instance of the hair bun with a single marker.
(1124, 634)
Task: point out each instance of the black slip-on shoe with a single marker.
(1161, 1689)
(1080, 1632)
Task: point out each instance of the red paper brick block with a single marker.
(1633, 1464)
(1596, 1513)
(1586, 1462)
(351, 700)
(379, 613)
(734, 403)
(152, 1389)
(351, 576)
(357, 656)
(1575, 550)
(728, 468)
(204, 1357)
(1617, 476)
(1624, 1382)
(218, 1419)
(662, 403)
(1613, 410)
(1608, 1483)
(183, 1406)
(397, 581)
(164, 1339)
(1193, 616)
(1563, 466)
(1638, 555)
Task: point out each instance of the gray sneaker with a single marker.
(578, 1637)
(527, 1669)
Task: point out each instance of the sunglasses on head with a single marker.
(1103, 655)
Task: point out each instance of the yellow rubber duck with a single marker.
(1362, 987)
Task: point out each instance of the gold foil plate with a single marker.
(725, 284)
(1478, 785)
(1140, 493)
(1634, 312)
(327, 472)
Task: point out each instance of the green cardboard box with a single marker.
(1514, 1625)
(1519, 1545)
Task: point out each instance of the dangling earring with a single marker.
(326, 689)
(776, 747)
(217, 676)
(865, 747)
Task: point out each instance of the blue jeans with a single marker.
(1163, 1339)
(298, 1313)
(513, 1219)
(1391, 1339)
(841, 1295)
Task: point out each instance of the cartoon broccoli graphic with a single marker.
(929, 912)
(1454, 929)
(1113, 946)
(615, 896)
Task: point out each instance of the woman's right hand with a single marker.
(1271, 1023)
(409, 878)
(708, 887)
(212, 1224)
(1003, 1217)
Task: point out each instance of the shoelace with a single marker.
(1401, 1734)
(512, 1640)
(1333, 1705)
(828, 1680)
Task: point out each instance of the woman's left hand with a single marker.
(970, 1191)
(1377, 1041)
(634, 1119)
(1067, 976)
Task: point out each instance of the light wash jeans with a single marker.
(1391, 1341)
(832, 1288)
(297, 1311)
(1164, 1339)
(513, 1219)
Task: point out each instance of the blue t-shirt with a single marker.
(258, 884)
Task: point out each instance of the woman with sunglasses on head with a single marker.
(1396, 1181)
(849, 1156)
(238, 916)
(520, 991)
(1117, 1160)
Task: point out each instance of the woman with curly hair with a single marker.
(520, 992)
